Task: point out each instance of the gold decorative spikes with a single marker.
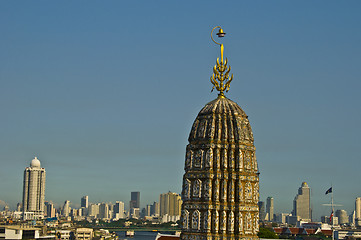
(220, 78)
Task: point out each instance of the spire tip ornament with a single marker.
(220, 78)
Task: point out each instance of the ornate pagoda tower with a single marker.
(220, 189)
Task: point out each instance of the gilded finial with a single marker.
(220, 78)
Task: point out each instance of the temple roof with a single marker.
(222, 121)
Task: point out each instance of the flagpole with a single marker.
(332, 211)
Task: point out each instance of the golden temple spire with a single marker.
(220, 78)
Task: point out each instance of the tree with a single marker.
(267, 233)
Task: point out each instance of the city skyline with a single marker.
(108, 92)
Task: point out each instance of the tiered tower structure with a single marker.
(221, 185)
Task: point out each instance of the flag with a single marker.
(331, 216)
(329, 190)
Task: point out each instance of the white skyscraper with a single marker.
(302, 203)
(358, 211)
(34, 191)
(270, 209)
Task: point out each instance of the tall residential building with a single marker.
(269, 209)
(84, 202)
(262, 211)
(66, 208)
(155, 209)
(118, 210)
(220, 188)
(171, 204)
(302, 203)
(49, 209)
(103, 211)
(358, 211)
(93, 210)
(34, 190)
(134, 200)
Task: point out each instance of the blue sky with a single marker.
(105, 93)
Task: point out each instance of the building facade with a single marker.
(34, 190)
(302, 203)
(262, 211)
(84, 202)
(170, 203)
(358, 211)
(270, 209)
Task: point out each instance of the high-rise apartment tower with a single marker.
(34, 190)
(302, 203)
(270, 209)
(358, 211)
(84, 202)
(170, 203)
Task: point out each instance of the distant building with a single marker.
(93, 210)
(49, 210)
(134, 200)
(104, 211)
(118, 210)
(134, 213)
(351, 218)
(262, 211)
(34, 190)
(342, 216)
(84, 202)
(171, 204)
(302, 203)
(155, 209)
(358, 211)
(66, 208)
(282, 217)
(270, 209)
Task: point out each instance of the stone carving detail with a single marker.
(189, 158)
(248, 191)
(185, 219)
(217, 159)
(240, 222)
(202, 127)
(216, 190)
(248, 222)
(196, 220)
(256, 223)
(231, 191)
(255, 162)
(223, 225)
(231, 159)
(197, 188)
(224, 190)
(256, 192)
(240, 191)
(239, 163)
(207, 220)
(215, 221)
(209, 158)
(231, 222)
(247, 161)
(197, 160)
(207, 190)
(224, 159)
(186, 189)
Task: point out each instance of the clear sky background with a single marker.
(104, 93)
